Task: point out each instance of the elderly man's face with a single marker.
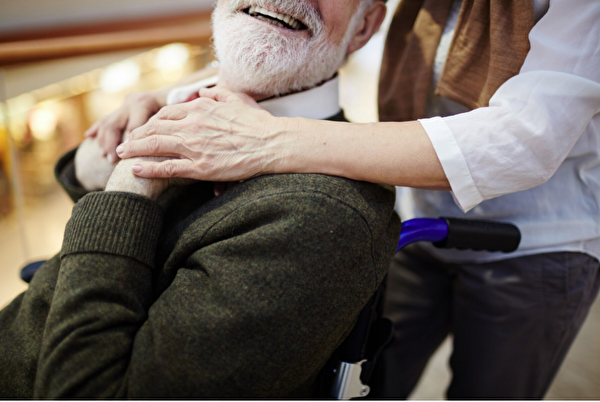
(272, 47)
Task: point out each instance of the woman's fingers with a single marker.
(134, 112)
(218, 94)
(173, 112)
(92, 131)
(110, 133)
(156, 145)
(221, 94)
(166, 169)
(163, 122)
(108, 139)
(137, 118)
(209, 139)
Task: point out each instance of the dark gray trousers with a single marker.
(512, 321)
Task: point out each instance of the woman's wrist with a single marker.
(288, 145)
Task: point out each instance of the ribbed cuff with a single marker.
(114, 223)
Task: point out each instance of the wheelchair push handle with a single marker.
(461, 234)
(480, 235)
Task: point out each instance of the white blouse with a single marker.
(533, 156)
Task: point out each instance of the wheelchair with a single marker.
(348, 372)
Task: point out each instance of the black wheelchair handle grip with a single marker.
(480, 235)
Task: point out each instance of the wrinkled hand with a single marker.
(222, 136)
(135, 111)
(92, 169)
(123, 179)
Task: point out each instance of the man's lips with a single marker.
(274, 18)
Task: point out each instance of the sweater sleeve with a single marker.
(102, 295)
(257, 303)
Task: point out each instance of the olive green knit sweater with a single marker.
(242, 295)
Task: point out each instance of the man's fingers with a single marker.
(165, 169)
(156, 145)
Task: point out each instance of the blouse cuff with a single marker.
(465, 192)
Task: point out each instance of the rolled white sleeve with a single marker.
(535, 119)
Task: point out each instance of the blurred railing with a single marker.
(41, 123)
(192, 28)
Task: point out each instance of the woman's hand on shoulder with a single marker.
(112, 129)
(221, 136)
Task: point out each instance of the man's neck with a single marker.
(258, 97)
(320, 102)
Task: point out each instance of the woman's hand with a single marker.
(111, 129)
(222, 136)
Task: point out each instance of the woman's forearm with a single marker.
(225, 136)
(400, 154)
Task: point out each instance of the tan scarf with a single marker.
(489, 46)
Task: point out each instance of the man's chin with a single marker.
(259, 58)
(264, 60)
(258, 84)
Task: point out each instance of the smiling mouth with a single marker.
(278, 19)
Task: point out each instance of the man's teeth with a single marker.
(282, 20)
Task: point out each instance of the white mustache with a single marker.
(301, 10)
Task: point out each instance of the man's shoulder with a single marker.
(286, 203)
(312, 202)
(316, 216)
(373, 201)
(339, 188)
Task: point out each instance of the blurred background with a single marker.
(66, 63)
(63, 65)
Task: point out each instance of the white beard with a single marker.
(257, 59)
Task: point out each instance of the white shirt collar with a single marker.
(318, 103)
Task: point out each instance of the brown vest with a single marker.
(489, 46)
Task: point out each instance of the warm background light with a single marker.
(43, 120)
(171, 57)
(120, 76)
